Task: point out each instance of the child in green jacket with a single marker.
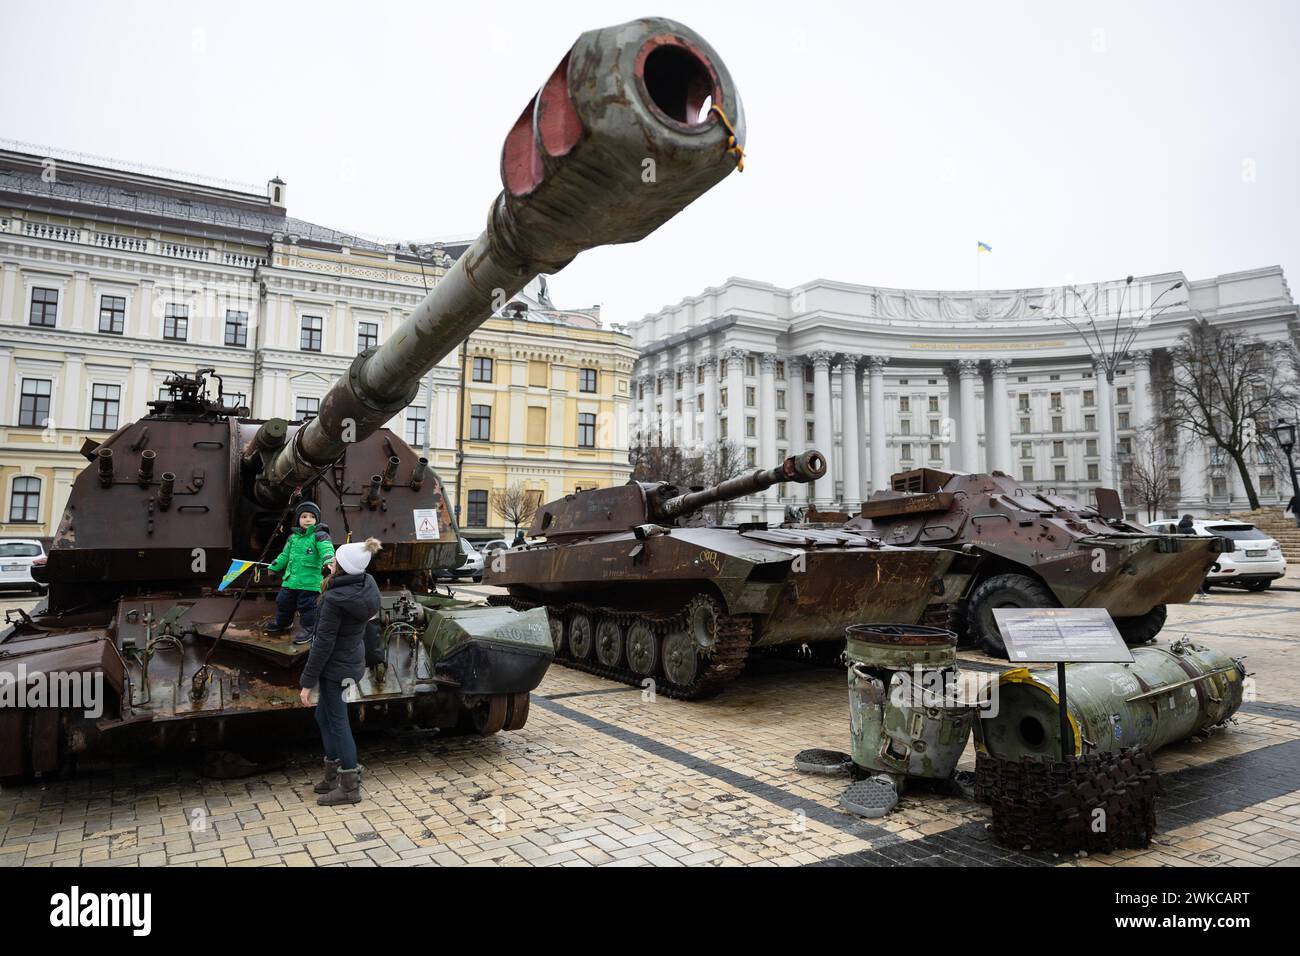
(305, 554)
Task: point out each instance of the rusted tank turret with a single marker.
(167, 502)
(1039, 550)
(638, 586)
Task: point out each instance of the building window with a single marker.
(1057, 423)
(780, 400)
(307, 408)
(176, 322)
(1220, 488)
(586, 430)
(1267, 485)
(905, 427)
(104, 403)
(1121, 396)
(587, 380)
(480, 422)
(750, 367)
(905, 451)
(112, 314)
(722, 368)
(1090, 447)
(1027, 473)
(310, 339)
(699, 375)
(1089, 398)
(1092, 471)
(34, 403)
(415, 426)
(478, 509)
(1123, 419)
(1126, 446)
(1054, 378)
(751, 458)
(234, 399)
(1090, 423)
(722, 429)
(1059, 472)
(808, 402)
(780, 429)
(904, 404)
(237, 329)
(25, 500)
(1175, 487)
(936, 452)
(934, 426)
(1024, 424)
(367, 336)
(780, 374)
(934, 403)
(750, 393)
(722, 398)
(1024, 402)
(1055, 401)
(45, 307)
(699, 403)
(678, 386)
(482, 371)
(808, 432)
(1026, 449)
(1058, 449)
(750, 427)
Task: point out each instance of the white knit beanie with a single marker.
(355, 558)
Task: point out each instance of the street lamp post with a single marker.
(1284, 432)
(1107, 357)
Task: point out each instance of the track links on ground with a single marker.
(731, 646)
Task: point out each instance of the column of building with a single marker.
(664, 405)
(735, 359)
(967, 372)
(1142, 399)
(1193, 464)
(850, 436)
(710, 365)
(997, 436)
(880, 464)
(797, 424)
(767, 416)
(823, 425)
(686, 395)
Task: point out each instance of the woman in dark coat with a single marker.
(349, 599)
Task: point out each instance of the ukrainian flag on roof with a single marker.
(983, 246)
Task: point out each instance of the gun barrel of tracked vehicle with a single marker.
(804, 468)
(636, 122)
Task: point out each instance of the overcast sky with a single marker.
(1082, 141)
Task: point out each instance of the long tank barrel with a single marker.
(636, 122)
(809, 466)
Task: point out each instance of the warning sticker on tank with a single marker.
(426, 524)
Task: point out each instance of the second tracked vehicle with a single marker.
(638, 586)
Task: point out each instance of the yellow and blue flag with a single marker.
(982, 246)
(237, 567)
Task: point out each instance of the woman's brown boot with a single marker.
(347, 790)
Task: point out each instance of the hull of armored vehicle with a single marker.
(1039, 550)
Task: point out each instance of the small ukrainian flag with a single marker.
(237, 567)
(983, 246)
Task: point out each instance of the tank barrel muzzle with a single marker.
(635, 123)
(804, 468)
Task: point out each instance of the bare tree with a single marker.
(653, 460)
(1148, 482)
(1227, 387)
(721, 460)
(515, 504)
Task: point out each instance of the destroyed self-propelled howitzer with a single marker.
(1035, 549)
(638, 586)
(168, 501)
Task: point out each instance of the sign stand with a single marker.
(1044, 635)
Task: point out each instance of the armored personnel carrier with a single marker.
(638, 586)
(152, 524)
(1039, 550)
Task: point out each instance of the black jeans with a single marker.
(335, 731)
(287, 601)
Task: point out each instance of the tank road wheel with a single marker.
(681, 660)
(581, 637)
(490, 716)
(1142, 629)
(609, 643)
(516, 711)
(702, 623)
(557, 629)
(642, 648)
(1002, 590)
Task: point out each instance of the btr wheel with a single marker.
(490, 716)
(681, 662)
(609, 643)
(581, 637)
(1142, 629)
(1002, 591)
(642, 648)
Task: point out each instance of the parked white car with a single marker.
(1255, 561)
(17, 555)
(473, 566)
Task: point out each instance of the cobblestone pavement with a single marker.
(601, 776)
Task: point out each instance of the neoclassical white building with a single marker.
(882, 380)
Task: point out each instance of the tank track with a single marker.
(731, 647)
